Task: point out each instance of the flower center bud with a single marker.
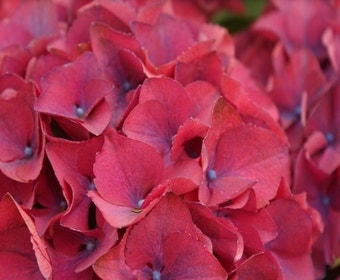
(326, 200)
(211, 175)
(126, 86)
(330, 137)
(297, 111)
(80, 112)
(63, 205)
(92, 186)
(90, 246)
(156, 275)
(140, 203)
(28, 151)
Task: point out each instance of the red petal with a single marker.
(121, 216)
(38, 67)
(79, 30)
(168, 92)
(294, 228)
(21, 144)
(49, 203)
(164, 40)
(126, 170)
(250, 109)
(242, 164)
(112, 265)
(23, 193)
(31, 255)
(107, 44)
(150, 244)
(205, 68)
(185, 258)
(75, 91)
(151, 123)
(306, 33)
(295, 267)
(227, 241)
(203, 97)
(259, 266)
(73, 163)
(8, 37)
(38, 17)
(164, 106)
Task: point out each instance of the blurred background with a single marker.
(237, 22)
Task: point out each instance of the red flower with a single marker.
(121, 56)
(297, 86)
(126, 173)
(23, 253)
(165, 158)
(49, 201)
(163, 42)
(38, 18)
(298, 228)
(254, 107)
(77, 38)
(72, 163)
(163, 106)
(322, 146)
(305, 32)
(322, 194)
(232, 160)
(166, 244)
(258, 266)
(79, 93)
(226, 240)
(74, 258)
(112, 266)
(22, 193)
(199, 63)
(21, 143)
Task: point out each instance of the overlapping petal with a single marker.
(73, 166)
(28, 260)
(79, 93)
(126, 172)
(172, 146)
(21, 145)
(171, 248)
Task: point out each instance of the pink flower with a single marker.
(23, 251)
(159, 245)
(84, 100)
(73, 165)
(127, 172)
(135, 145)
(21, 145)
(303, 33)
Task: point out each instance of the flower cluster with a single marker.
(140, 141)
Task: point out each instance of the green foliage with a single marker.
(237, 22)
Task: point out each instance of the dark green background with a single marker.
(236, 22)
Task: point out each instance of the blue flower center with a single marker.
(63, 205)
(326, 200)
(126, 86)
(140, 203)
(330, 137)
(156, 275)
(211, 175)
(80, 112)
(92, 186)
(90, 246)
(28, 151)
